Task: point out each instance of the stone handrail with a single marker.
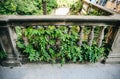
(60, 20)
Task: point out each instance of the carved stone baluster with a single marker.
(13, 38)
(25, 39)
(91, 36)
(8, 43)
(57, 43)
(80, 36)
(45, 27)
(48, 37)
(56, 27)
(69, 29)
(101, 37)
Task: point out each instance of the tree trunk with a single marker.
(44, 6)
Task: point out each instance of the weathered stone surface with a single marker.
(62, 20)
(114, 56)
(6, 42)
(11, 63)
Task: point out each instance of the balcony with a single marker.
(110, 23)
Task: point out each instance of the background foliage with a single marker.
(25, 7)
(65, 3)
(76, 7)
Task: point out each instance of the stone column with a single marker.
(8, 46)
(114, 55)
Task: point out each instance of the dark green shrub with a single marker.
(25, 7)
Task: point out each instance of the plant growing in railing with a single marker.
(3, 55)
(92, 53)
(56, 45)
(95, 12)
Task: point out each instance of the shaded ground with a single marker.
(69, 71)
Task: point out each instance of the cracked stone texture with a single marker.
(67, 71)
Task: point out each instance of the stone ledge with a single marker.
(113, 60)
(10, 63)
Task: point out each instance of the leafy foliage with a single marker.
(95, 12)
(2, 55)
(25, 7)
(76, 7)
(92, 53)
(65, 3)
(56, 46)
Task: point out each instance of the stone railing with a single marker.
(8, 35)
(88, 6)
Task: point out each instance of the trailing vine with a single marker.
(56, 45)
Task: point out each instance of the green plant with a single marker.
(65, 3)
(56, 45)
(25, 7)
(76, 7)
(2, 55)
(92, 53)
(95, 12)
